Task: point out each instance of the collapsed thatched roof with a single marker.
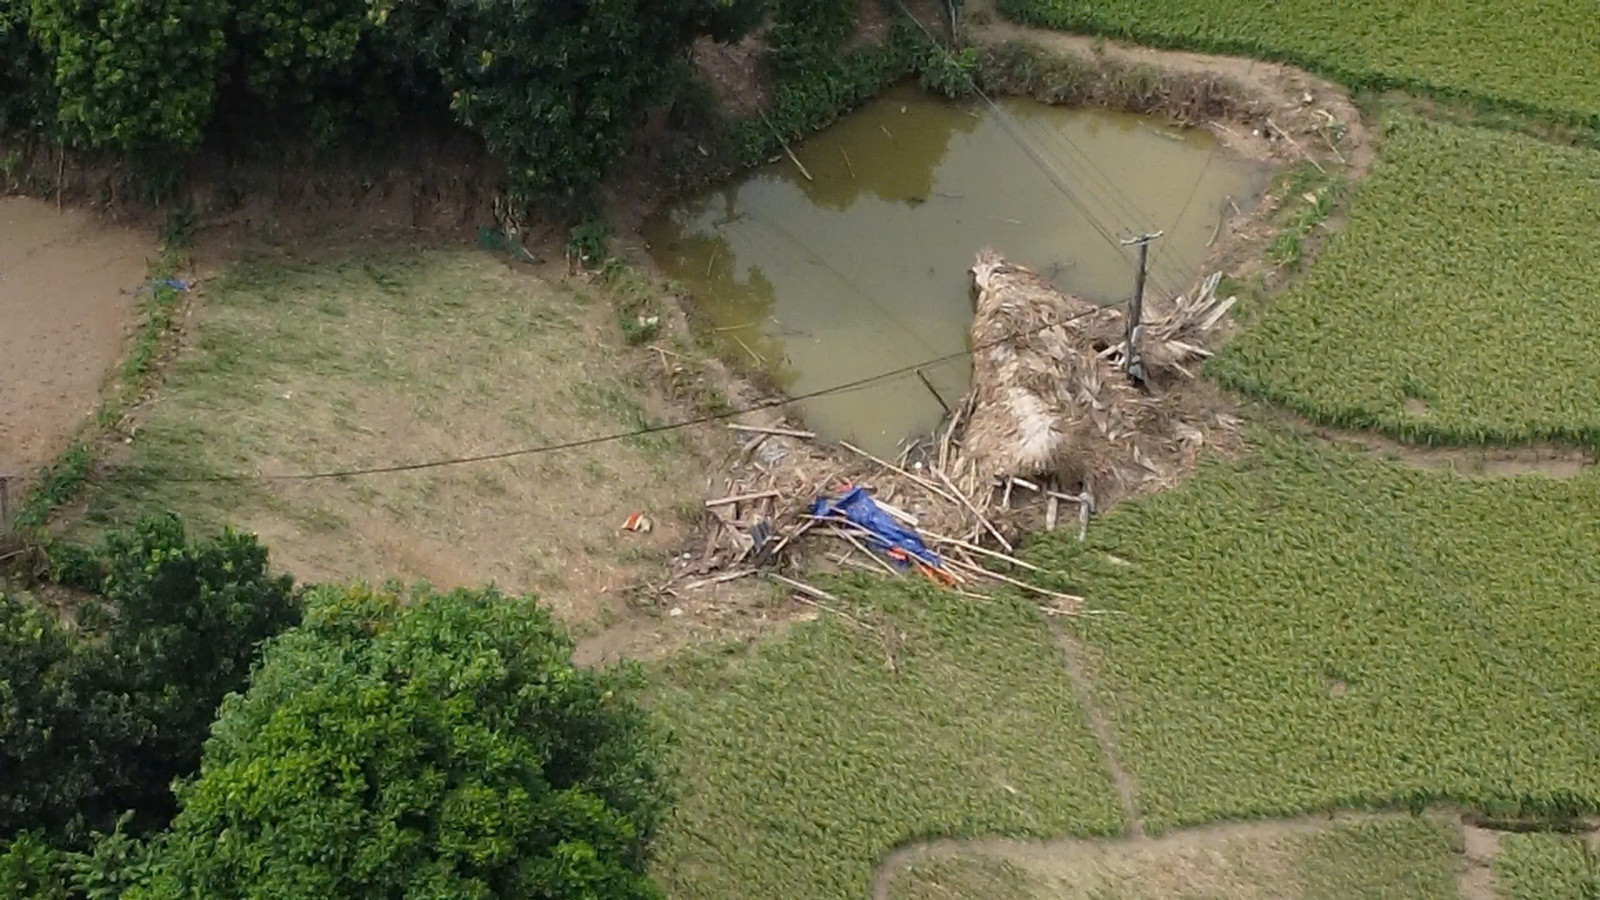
(1049, 397)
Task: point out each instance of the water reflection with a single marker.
(862, 268)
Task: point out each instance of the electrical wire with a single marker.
(1017, 133)
(856, 384)
(1195, 189)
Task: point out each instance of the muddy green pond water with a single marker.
(863, 268)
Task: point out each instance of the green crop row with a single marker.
(1306, 628)
(1457, 305)
(806, 758)
(1536, 56)
(1545, 867)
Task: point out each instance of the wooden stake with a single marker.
(1023, 584)
(893, 572)
(928, 485)
(724, 501)
(983, 550)
(934, 391)
(803, 588)
(792, 158)
(974, 510)
(762, 429)
(1296, 145)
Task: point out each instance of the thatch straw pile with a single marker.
(1050, 418)
(1050, 400)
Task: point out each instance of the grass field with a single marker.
(369, 358)
(1535, 55)
(1458, 305)
(806, 758)
(1414, 858)
(1308, 628)
(1546, 867)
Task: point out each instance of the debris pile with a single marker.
(1051, 418)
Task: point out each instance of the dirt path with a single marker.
(1121, 779)
(1207, 860)
(67, 286)
(1549, 460)
(1180, 853)
(1481, 846)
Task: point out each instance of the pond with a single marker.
(862, 267)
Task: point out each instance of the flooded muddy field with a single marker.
(861, 267)
(67, 288)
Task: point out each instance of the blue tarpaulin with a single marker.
(883, 533)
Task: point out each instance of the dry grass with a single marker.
(371, 359)
(1400, 856)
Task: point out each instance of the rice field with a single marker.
(1457, 305)
(805, 759)
(1307, 628)
(1537, 56)
(1546, 867)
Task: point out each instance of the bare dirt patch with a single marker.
(68, 285)
(1227, 860)
(1477, 877)
(1548, 460)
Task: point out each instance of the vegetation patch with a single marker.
(1533, 56)
(1069, 80)
(1444, 313)
(807, 758)
(1306, 628)
(1536, 866)
(301, 366)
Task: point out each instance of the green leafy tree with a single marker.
(31, 869)
(807, 35)
(429, 745)
(555, 88)
(26, 94)
(42, 781)
(101, 721)
(138, 76)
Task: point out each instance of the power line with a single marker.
(1195, 189)
(1055, 177)
(901, 372)
(1050, 171)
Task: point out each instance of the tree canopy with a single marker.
(98, 719)
(420, 745)
(552, 87)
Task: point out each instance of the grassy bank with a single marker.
(1537, 56)
(367, 358)
(1311, 629)
(1456, 306)
(807, 758)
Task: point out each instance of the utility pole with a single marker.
(1132, 363)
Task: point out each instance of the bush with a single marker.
(95, 723)
(31, 869)
(437, 745)
(131, 76)
(553, 89)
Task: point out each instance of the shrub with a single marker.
(31, 869)
(95, 723)
(437, 745)
(552, 89)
